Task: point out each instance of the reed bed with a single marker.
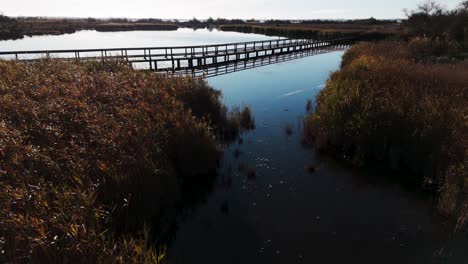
(386, 106)
(93, 157)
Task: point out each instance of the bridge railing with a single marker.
(153, 51)
(172, 57)
(120, 52)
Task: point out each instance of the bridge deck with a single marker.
(183, 58)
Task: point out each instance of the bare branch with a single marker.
(429, 7)
(464, 5)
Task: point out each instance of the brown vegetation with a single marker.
(404, 105)
(385, 107)
(17, 28)
(91, 153)
(446, 29)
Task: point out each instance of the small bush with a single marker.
(421, 47)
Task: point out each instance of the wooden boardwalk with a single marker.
(185, 59)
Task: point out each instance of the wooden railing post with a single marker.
(150, 59)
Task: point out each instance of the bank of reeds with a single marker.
(308, 31)
(386, 106)
(93, 156)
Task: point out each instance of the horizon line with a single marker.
(188, 19)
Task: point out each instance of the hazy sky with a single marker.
(214, 8)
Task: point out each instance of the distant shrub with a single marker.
(447, 29)
(387, 49)
(421, 47)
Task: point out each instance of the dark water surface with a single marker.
(267, 206)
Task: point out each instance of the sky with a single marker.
(185, 9)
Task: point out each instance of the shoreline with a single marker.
(18, 28)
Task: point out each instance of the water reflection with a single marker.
(213, 70)
(285, 204)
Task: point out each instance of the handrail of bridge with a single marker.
(139, 48)
(47, 52)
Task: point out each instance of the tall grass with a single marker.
(92, 153)
(385, 107)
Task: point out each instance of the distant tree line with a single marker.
(222, 21)
(10, 28)
(369, 21)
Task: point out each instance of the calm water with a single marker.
(130, 39)
(283, 213)
(287, 215)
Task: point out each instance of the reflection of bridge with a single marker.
(213, 70)
(192, 60)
